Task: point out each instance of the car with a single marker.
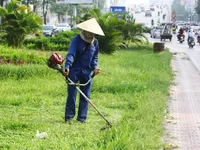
(137, 11)
(155, 32)
(166, 32)
(152, 8)
(63, 27)
(148, 13)
(49, 30)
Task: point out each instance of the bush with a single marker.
(8, 56)
(58, 43)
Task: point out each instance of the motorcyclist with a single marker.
(174, 29)
(198, 32)
(180, 33)
(190, 35)
(198, 35)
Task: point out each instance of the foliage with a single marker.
(101, 4)
(113, 38)
(67, 9)
(59, 42)
(131, 32)
(19, 57)
(197, 9)
(119, 32)
(61, 10)
(131, 91)
(18, 21)
(181, 13)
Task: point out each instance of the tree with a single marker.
(17, 22)
(197, 9)
(181, 13)
(118, 32)
(61, 10)
(100, 4)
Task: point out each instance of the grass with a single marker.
(131, 91)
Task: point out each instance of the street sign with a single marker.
(117, 8)
(74, 1)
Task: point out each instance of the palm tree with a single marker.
(113, 39)
(118, 32)
(18, 21)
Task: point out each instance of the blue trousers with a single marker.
(82, 76)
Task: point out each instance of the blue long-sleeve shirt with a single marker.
(81, 54)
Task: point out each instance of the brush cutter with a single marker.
(52, 64)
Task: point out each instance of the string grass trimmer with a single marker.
(55, 61)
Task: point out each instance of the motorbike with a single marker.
(191, 42)
(198, 39)
(174, 30)
(181, 38)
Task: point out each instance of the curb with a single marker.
(190, 59)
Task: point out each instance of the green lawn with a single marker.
(131, 91)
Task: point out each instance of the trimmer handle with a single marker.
(93, 74)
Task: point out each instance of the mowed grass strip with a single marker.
(131, 91)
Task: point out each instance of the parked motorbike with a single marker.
(191, 42)
(198, 39)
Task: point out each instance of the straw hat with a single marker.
(92, 26)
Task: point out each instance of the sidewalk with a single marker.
(182, 125)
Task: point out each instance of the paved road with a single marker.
(175, 46)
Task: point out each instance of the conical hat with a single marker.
(92, 26)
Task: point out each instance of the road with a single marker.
(175, 46)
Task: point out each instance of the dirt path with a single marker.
(182, 125)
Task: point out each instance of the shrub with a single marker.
(8, 55)
(17, 22)
(60, 42)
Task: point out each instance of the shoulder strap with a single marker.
(87, 45)
(81, 54)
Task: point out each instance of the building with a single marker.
(160, 2)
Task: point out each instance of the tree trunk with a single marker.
(28, 2)
(1, 3)
(158, 47)
(45, 18)
(34, 8)
(43, 11)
